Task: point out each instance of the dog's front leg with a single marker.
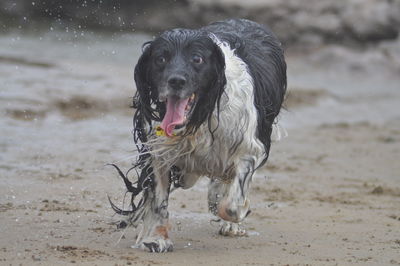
(154, 235)
(229, 199)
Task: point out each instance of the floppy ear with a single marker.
(141, 68)
(145, 101)
(218, 86)
(209, 100)
(142, 76)
(220, 81)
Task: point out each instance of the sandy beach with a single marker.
(329, 195)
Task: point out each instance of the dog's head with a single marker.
(179, 79)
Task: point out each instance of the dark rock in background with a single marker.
(296, 22)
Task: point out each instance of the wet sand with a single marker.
(330, 194)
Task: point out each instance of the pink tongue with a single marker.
(175, 114)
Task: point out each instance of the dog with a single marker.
(206, 102)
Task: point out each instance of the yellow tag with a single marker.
(161, 132)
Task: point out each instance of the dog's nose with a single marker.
(176, 82)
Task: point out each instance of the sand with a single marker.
(329, 195)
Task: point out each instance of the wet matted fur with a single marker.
(214, 94)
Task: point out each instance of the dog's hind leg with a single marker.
(229, 201)
(154, 235)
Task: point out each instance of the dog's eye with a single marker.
(161, 60)
(197, 59)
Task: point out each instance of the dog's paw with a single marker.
(232, 229)
(153, 244)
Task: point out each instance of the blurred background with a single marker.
(357, 22)
(66, 85)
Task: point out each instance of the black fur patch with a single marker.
(258, 47)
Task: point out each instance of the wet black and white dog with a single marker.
(205, 105)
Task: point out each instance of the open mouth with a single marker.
(177, 114)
